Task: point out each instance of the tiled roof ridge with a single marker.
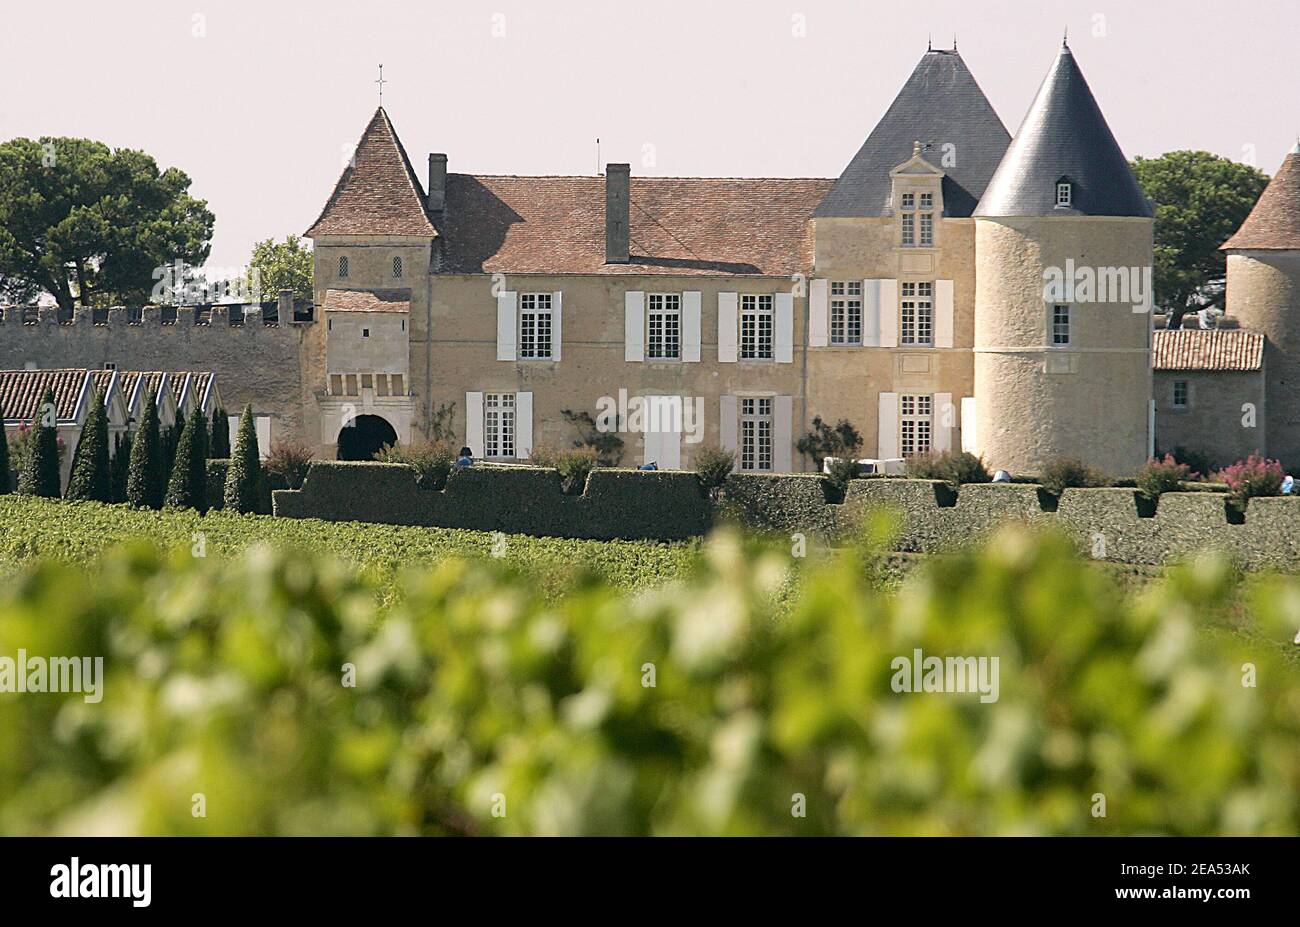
(1221, 349)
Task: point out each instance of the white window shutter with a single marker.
(943, 419)
(507, 326)
(523, 425)
(474, 423)
(691, 326)
(728, 424)
(728, 320)
(557, 324)
(871, 313)
(783, 332)
(887, 433)
(634, 325)
(943, 313)
(969, 435)
(819, 314)
(888, 313)
(782, 435)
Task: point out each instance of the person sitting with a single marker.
(465, 458)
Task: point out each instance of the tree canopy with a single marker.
(1200, 200)
(283, 266)
(88, 225)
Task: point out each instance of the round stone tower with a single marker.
(1264, 295)
(1063, 251)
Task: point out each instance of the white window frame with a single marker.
(908, 230)
(536, 326)
(1059, 324)
(663, 327)
(915, 424)
(757, 423)
(1064, 193)
(916, 313)
(499, 426)
(925, 233)
(846, 312)
(758, 323)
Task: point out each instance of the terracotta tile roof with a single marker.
(185, 382)
(146, 381)
(398, 300)
(1198, 349)
(21, 391)
(679, 225)
(1274, 223)
(378, 193)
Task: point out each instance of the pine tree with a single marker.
(244, 478)
(187, 488)
(220, 446)
(4, 456)
(119, 468)
(90, 479)
(145, 476)
(40, 476)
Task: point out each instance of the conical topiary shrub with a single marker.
(90, 478)
(40, 476)
(187, 488)
(146, 480)
(244, 478)
(219, 447)
(118, 468)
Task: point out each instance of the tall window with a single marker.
(499, 425)
(756, 327)
(664, 326)
(756, 434)
(397, 267)
(909, 229)
(535, 326)
(1060, 325)
(1181, 394)
(846, 312)
(917, 314)
(927, 229)
(1064, 194)
(914, 424)
(343, 265)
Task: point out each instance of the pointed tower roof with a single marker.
(1064, 137)
(378, 193)
(1274, 223)
(940, 105)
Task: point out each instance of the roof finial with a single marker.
(916, 149)
(1065, 38)
(954, 41)
(929, 43)
(381, 83)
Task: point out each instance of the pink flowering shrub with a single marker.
(1254, 476)
(1162, 476)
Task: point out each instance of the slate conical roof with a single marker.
(1064, 137)
(1274, 223)
(378, 193)
(939, 105)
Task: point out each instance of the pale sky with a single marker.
(258, 101)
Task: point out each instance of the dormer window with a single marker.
(1064, 193)
(909, 200)
(927, 201)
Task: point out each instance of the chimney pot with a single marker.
(618, 190)
(437, 182)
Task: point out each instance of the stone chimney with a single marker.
(285, 309)
(437, 182)
(618, 183)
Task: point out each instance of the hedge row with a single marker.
(1114, 524)
(627, 504)
(217, 470)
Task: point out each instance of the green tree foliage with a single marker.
(1200, 200)
(90, 478)
(146, 478)
(280, 266)
(704, 707)
(187, 488)
(219, 445)
(40, 473)
(842, 440)
(4, 457)
(88, 225)
(244, 478)
(119, 469)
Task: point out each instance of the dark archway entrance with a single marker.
(362, 438)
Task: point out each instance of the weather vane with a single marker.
(381, 83)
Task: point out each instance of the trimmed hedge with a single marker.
(217, 470)
(1115, 524)
(626, 504)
